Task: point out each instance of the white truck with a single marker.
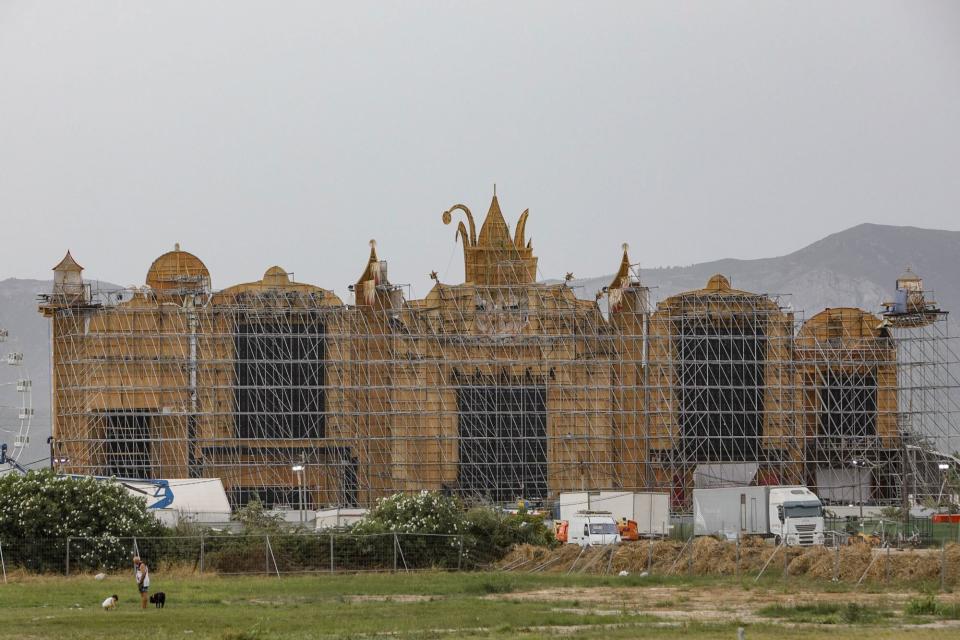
(650, 511)
(592, 528)
(792, 514)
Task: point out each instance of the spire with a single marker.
(68, 264)
(623, 273)
(518, 236)
(494, 232)
(372, 270)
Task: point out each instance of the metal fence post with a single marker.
(943, 565)
(886, 567)
(690, 558)
(460, 555)
(786, 561)
(650, 556)
(3, 564)
(331, 554)
(836, 562)
(266, 555)
(738, 555)
(201, 553)
(272, 555)
(395, 543)
(68, 556)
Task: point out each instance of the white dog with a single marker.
(110, 603)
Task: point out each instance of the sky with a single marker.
(292, 133)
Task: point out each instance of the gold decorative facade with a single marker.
(499, 388)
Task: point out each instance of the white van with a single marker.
(592, 528)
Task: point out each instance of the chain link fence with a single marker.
(276, 553)
(297, 553)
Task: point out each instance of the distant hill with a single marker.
(855, 267)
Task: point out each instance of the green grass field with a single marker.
(442, 605)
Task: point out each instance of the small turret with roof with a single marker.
(625, 288)
(68, 279)
(912, 306)
(373, 290)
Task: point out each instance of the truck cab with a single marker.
(796, 516)
(592, 528)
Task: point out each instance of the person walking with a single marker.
(142, 574)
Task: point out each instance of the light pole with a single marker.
(299, 469)
(944, 468)
(859, 465)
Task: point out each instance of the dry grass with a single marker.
(711, 557)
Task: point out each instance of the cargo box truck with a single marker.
(791, 515)
(649, 511)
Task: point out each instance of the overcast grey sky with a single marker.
(257, 133)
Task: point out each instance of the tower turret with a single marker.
(911, 306)
(68, 281)
(493, 257)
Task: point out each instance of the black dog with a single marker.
(159, 599)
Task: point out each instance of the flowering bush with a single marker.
(478, 536)
(43, 509)
(425, 512)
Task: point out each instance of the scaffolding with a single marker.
(498, 389)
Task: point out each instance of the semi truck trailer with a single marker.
(792, 515)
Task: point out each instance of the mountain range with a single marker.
(856, 267)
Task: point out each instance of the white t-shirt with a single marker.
(108, 603)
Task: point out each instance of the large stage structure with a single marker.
(499, 388)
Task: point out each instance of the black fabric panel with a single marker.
(279, 378)
(502, 442)
(128, 444)
(720, 374)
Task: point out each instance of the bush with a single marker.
(476, 537)
(925, 606)
(42, 510)
(425, 512)
(825, 613)
(494, 533)
(492, 584)
(256, 520)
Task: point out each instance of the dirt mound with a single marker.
(710, 556)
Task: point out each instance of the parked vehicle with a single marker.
(792, 514)
(649, 512)
(588, 528)
(629, 532)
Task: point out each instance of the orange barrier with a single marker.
(946, 517)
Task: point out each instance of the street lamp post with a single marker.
(944, 468)
(859, 465)
(299, 470)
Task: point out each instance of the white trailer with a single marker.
(791, 514)
(731, 511)
(651, 511)
(201, 500)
